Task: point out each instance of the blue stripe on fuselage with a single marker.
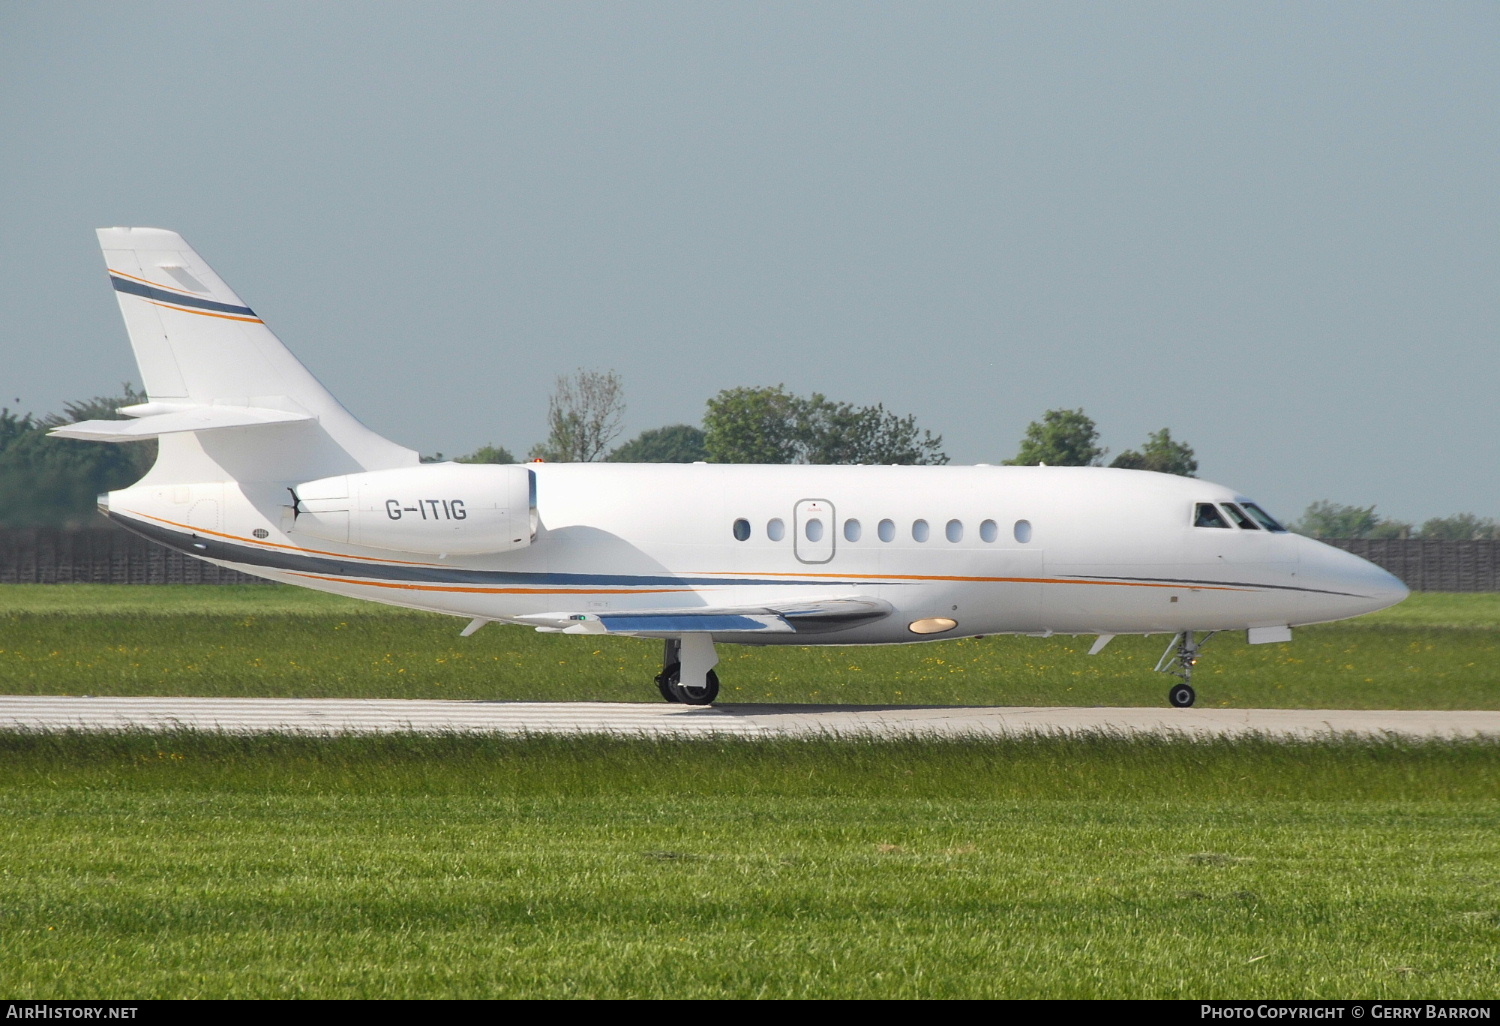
(209, 547)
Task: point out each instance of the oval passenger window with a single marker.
(919, 530)
(851, 530)
(814, 529)
(1023, 531)
(988, 531)
(887, 530)
(955, 530)
(741, 529)
(776, 530)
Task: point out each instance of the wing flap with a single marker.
(815, 617)
(696, 623)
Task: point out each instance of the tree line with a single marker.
(768, 424)
(1324, 519)
(47, 482)
(53, 481)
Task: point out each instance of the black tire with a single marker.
(673, 690)
(666, 682)
(1182, 695)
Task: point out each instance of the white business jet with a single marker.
(261, 470)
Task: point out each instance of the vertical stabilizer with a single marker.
(206, 358)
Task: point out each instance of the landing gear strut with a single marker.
(1178, 660)
(669, 681)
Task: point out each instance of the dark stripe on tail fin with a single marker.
(136, 288)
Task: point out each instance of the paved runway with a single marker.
(321, 715)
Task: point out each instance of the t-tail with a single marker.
(228, 401)
(259, 467)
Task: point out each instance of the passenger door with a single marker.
(814, 528)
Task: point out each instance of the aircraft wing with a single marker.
(814, 617)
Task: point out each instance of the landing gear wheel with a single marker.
(674, 691)
(1182, 695)
(1178, 660)
(668, 690)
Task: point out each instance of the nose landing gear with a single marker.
(1179, 659)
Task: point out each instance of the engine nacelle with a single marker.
(457, 508)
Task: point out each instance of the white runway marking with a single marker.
(341, 715)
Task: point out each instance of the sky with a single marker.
(1271, 228)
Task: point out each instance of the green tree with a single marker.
(1324, 519)
(1161, 454)
(675, 443)
(488, 454)
(1461, 527)
(753, 425)
(47, 481)
(834, 432)
(583, 417)
(1062, 438)
(771, 425)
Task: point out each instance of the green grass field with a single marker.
(199, 865)
(1434, 651)
(141, 865)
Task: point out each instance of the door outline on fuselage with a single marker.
(806, 550)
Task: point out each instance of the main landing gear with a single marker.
(1179, 659)
(670, 681)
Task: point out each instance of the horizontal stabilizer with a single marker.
(181, 418)
(814, 617)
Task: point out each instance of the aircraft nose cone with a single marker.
(1342, 584)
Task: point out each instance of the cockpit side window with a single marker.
(1209, 516)
(1241, 521)
(1266, 520)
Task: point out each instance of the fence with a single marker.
(101, 555)
(109, 555)
(1432, 565)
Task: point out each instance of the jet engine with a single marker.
(442, 509)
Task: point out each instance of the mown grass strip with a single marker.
(1088, 765)
(349, 655)
(201, 865)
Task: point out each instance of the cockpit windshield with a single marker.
(1265, 519)
(1241, 521)
(1208, 515)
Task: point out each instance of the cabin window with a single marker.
(919, 530)
(1266, 520)
(1209, 516)
(775, 529)
(954, 531)
(813, 529)
(1241, 521)
(851, 530)
(989, 531)
(887, 530)
(741, 529)
(1022, 531)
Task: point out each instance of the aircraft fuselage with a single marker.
(993, 549)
